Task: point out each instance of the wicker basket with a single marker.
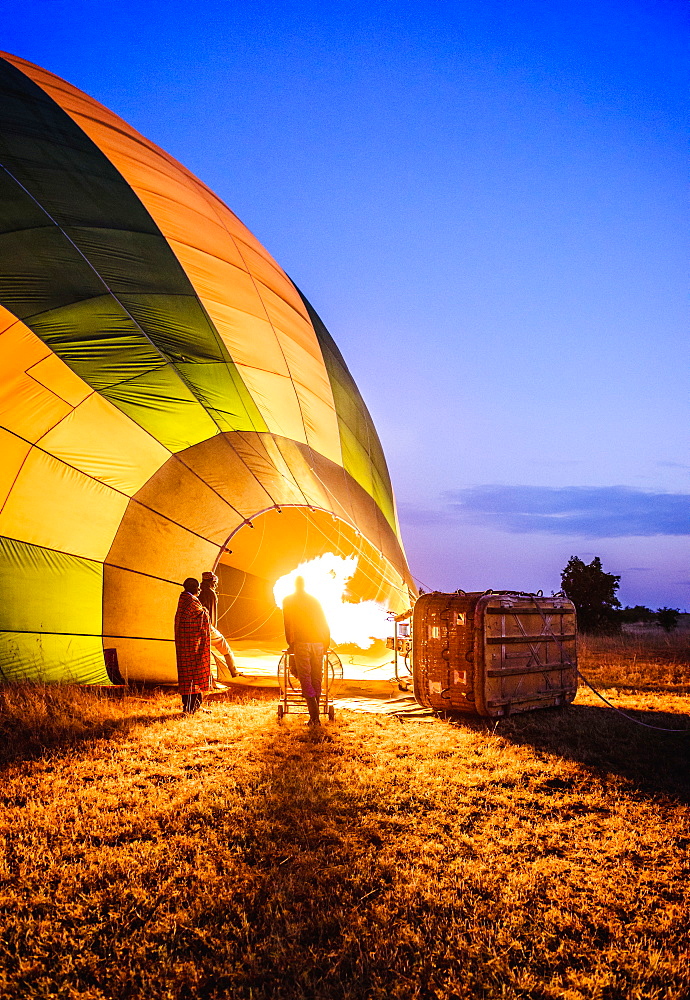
(494, 653)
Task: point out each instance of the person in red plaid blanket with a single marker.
(192, 647)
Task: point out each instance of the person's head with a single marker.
(299, 584)
(191, 585)
(209, 581)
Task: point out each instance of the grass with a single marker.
(225, 855)
(646, 660)
(35, 718)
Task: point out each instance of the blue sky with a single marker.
(487, 204)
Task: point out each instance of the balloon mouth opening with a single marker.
(354, 583)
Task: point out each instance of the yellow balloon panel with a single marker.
(233, 303)
(264, 461)
(14, 451)
(262, 266)
(312, 489)
(305, 362)
(156, 546)
(101, 441)
(53, 374)
(137, 606)
(147, 660)
(219, 464)
(180, 495)
(298, 333)
(58, 507)
(277, 394)
(27, 407)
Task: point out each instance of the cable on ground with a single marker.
(660, 729)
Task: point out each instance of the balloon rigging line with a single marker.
(310, 524)
(300, 508)
(359, 549)
(427, 588)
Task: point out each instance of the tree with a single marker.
(668, 618)
(593, 592)
(639, 613)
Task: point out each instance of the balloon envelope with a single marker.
(169, 403)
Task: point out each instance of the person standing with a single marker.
(192, 647)
(209, 599)
(208, 596)
(308, 638)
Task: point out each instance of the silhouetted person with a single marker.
(192, 646)
(308, 638)
(208, 595)
(209, 599)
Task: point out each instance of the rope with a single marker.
(660, 729)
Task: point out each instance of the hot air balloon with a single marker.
(169, 403)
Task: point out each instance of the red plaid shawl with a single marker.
(192, 645)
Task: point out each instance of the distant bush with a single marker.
(629, 616)
(668, 618)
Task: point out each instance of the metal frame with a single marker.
(291, 699)
(403, 682)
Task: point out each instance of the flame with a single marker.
(326, 577)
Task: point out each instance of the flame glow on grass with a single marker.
(326, 578)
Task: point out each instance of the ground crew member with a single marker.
(192, 647)
(308, 638)
(209, 599)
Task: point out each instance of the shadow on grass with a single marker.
(303, 867)
(30, 745)
(655, 761)
(320, 908)
(313, 909)
(37, 719)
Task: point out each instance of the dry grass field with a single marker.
(647, 660)
(147, 855)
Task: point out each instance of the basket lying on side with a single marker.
(494, 653)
